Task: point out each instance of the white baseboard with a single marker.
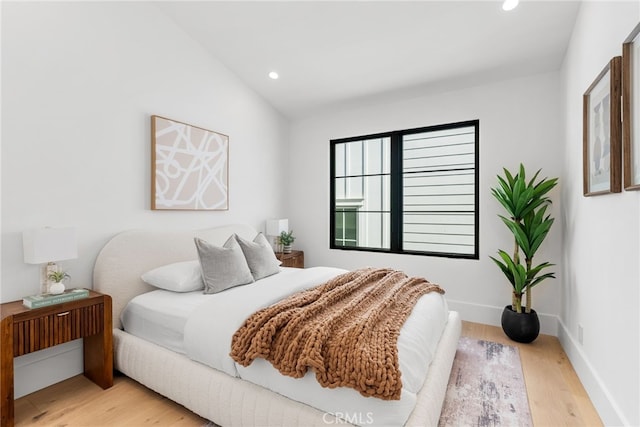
(600, 396)
(35, 371)
(491, 315)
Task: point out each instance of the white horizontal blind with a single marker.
(438, 181)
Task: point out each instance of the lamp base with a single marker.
(276, 245)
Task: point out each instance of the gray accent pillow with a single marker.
(222, 267)
(260, 257)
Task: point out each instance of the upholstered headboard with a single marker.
(128, 255)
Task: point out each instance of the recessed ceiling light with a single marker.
(510, 4)
(273, 75)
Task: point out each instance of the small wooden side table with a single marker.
(24, 330)
(294, 259)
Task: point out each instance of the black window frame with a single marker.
(396, 188)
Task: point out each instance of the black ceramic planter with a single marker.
(520, 327)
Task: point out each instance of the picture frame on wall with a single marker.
(189, 167)
(630, 110)
(602, 132)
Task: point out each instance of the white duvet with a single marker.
(212, 321)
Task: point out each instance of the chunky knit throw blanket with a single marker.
(346, 330)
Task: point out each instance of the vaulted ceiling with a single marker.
(329, 53)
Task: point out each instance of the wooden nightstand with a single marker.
(294, 259)
(26, 330)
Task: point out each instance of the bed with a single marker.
(160, 361)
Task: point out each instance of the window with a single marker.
(412, 191)
(346, 226)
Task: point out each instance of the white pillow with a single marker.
(178, 277)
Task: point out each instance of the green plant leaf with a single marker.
(532, 206)
(57, 276)
(515, 272)
(534, 178)
(521, 236)
(539, 234)
(517, 189)
(543, 187)
(541, 278)
(503, 199)
(533, 271)
(509, 177)
(505, 270)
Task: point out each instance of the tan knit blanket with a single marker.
(346, 330)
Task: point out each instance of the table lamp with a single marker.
(47, 245)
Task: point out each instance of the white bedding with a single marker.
(208, 323)
(159, 316)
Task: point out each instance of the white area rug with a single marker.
(486, 387)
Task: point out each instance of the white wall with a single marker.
(519, 122)
(601, 235)
(80, 81)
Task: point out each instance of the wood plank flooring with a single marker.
(556, 396)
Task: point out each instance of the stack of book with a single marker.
(43, 300)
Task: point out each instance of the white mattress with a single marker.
(197, 325)
(159, 316)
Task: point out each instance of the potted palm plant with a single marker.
(525, 203)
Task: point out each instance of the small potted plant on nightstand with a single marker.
(57, 277)
(286, 239)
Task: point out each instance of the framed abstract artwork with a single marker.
(189, 167)
(602, 132)
(631, 110)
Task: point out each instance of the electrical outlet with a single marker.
(580, 334)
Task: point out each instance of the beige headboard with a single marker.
(128, 255)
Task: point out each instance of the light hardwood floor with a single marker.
(556, 396)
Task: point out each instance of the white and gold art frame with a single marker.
(189, 167)
(631, 109)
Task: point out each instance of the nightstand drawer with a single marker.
(56, 328)
(294, 259)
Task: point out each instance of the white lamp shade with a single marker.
(277, 226)
(43, 245)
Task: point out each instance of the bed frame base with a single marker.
(229, 401)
